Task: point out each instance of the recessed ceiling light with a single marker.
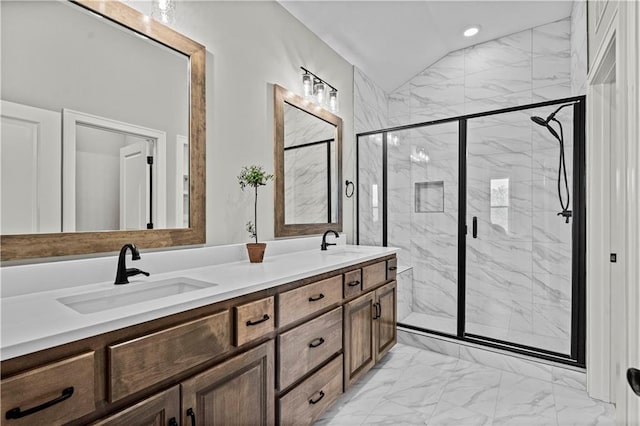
(471, 31)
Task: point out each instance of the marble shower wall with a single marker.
(526, 67)
(579, 48)
(520, 278)
(370, 104)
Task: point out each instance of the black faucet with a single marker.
(123, 273)
(325, 244)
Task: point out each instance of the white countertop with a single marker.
(36, 321)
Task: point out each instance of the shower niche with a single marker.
(488, 212)
(429, 197)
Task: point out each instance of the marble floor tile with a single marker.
(414, 386)
(448, 414)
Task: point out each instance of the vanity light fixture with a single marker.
(471, 31)
(319, 91)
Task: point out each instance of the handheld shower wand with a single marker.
(562, 168)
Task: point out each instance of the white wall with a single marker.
(250, 46)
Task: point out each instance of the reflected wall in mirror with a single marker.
(102, 130)
(125, 84)
(308, 159)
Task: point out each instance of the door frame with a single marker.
(70, 119)
(614, 303)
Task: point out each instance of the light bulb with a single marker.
(320, 92)
(333, 100)
(307, 86)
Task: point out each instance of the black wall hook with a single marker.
(348, 184)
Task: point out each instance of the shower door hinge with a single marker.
(613, 257)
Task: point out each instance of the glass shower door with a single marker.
(518, 282)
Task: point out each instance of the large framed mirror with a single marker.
(308, 165)
(103, 130)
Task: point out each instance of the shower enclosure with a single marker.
(492, 253)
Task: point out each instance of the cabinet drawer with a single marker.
(139, 363)
(392, 269)
(253, 320)
(70, 381)
(309, 345)
(301, 302)
(352, 283)
(373, 275)
(307, 401)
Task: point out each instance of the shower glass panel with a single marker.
(370, 190)
(519, 244)
(423, 169)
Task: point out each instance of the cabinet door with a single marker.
(385, 323)
(162, 409)
(359, 335)
(239, 391)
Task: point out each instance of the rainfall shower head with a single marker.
(545, 123)
(539, 120)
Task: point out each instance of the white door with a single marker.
(30, 155)
(134, 186)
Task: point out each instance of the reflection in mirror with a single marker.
(91, 89)
(308, 162)
(309, 168)
(131, 95)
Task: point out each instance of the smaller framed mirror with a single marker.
(308, 166)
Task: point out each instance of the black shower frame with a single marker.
(578, 234)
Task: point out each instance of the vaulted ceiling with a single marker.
(391, 41)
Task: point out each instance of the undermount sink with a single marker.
(339, 251)
(129, 294)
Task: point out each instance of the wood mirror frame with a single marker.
(29, 246)
(282, 96)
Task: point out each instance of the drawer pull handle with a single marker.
(315, 401)
(16, 413)
(353, 283)
(393, 268)
(192, 415)
(378, 311)
(264, 318)
(316, 342)
(173, 421)
(316, 298)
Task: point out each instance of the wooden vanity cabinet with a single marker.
(293, 348)
(239, 391)
(369, 331)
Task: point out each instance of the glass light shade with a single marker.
(333, 100)
(307, 86)
(164, 11)
(320, 92)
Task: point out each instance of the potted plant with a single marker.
(254, 176)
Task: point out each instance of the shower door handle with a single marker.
(475, 227)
